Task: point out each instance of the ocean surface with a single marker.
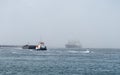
(15, 61)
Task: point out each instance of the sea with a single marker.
(60, 61)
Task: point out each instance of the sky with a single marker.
(95, 23)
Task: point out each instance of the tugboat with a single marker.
(40, 46)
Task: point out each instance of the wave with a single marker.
(87, 51)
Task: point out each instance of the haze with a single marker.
(95, 23)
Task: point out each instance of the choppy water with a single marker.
(60, 62)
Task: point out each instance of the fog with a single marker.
(95, 23)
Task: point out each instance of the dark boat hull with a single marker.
(33, 47)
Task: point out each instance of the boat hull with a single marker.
(33, 47)
(72, 46)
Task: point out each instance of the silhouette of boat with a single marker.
(40, 46)
(73, 44)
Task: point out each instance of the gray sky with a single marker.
(95, 23)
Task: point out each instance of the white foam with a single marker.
(73, 51)
(87, 51)
(14, 52)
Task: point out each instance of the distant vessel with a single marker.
(73, 44)
(40, 46)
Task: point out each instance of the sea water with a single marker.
(59, 62)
